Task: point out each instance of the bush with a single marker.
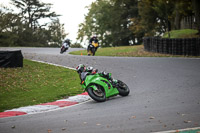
(76, 45)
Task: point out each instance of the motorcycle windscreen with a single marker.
(83, 75)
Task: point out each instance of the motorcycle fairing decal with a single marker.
(109, 86)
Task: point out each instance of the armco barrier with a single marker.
(174, 46)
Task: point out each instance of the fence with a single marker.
(184, 46)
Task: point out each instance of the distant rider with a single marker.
(65, 46)
(83, 71)
(94, 38)
(66, 43)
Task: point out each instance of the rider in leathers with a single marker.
(94, 38)
(81, 69)
(66, 42)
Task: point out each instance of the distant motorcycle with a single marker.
(92, 48)
(64, 48)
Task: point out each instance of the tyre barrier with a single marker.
(11, 59)
(174, 46)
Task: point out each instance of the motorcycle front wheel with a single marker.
(89, 52)
(62, 50)
(93, 51)
(123, 88)
(97, 95)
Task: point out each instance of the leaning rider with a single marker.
(94, 38)
(66, 42)
(83, 72)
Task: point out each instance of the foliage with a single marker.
(196, 9)
(33, 10)
(36, 83)
(57, 33)
(115, 22)
(157, 16)
(111, 31)
(126, 22)
(25, 28)
(185, 33)
(8, 27)
(76, 45)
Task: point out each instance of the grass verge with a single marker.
(184, 33)
(138, 51)
(127, 51)
(36, 83)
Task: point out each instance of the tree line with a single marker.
(115, 22)
(34, 25)
(126, 22)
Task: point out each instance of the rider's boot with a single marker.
(112, 81)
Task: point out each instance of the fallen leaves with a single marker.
(151, 117)
(165, 126)
(49, 130)
(84, 123)
(63, 129)
(133, 117)
(187, 121)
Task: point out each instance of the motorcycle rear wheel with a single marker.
(123, 88)
(97, 95)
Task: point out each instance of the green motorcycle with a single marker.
(100, 88)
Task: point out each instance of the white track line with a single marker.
(54, 64)
(178, 130)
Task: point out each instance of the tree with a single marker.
(196, 9)
(8, 27)
(182, 9)
(112, 31)
(25, 28)
(156, 16)
(33, 10)
(57, 33)
(125, 10)
(159, 16)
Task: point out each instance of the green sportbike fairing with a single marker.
(100, 88)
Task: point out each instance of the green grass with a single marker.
(36, 83)
(185, 33)
(138, 51)
(126, 51)
(109, 51)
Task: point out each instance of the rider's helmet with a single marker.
(89, 69)
(80, 68)
(67, 41)
(94, 37)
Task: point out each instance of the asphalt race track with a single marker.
(164, 95)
